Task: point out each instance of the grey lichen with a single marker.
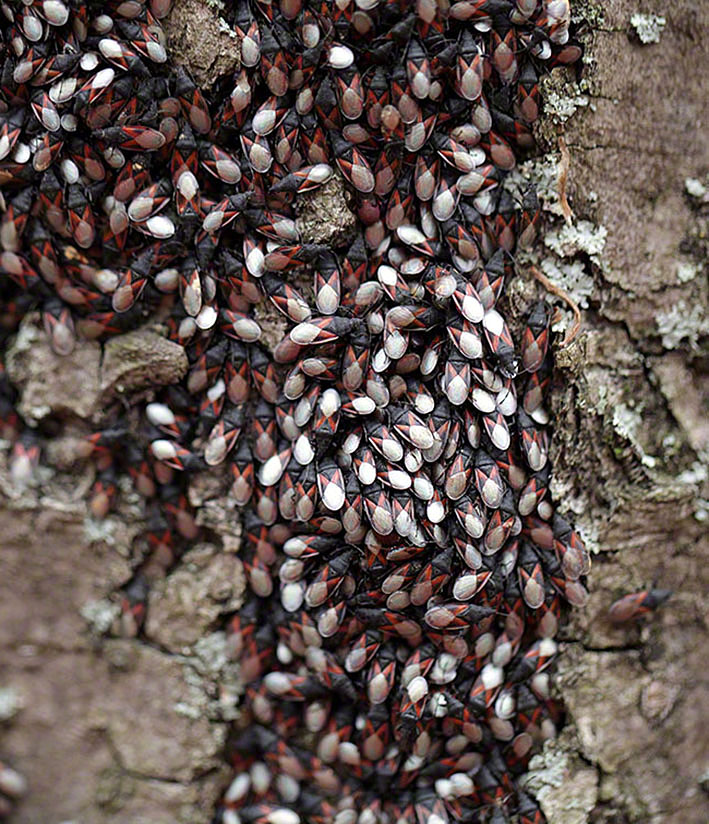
(567, 789)
(572, 238)
(543, 172)
(560, 107)
(211, 655)
(10, 703)
(589, 13)
(687, 271)
(648, 27)
(627, 422)
(562, 490)
(100, 615)
(695, 188)
(213, 680)
(697, 473)
(701, 512)
(573, 278)
(227, 29)
(565, 241)
(102, 531)
(682, 325)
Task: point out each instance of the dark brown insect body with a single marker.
(635, 605)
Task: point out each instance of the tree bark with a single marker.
(631, 434)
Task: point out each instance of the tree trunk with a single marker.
(631, 433)
(110, 730)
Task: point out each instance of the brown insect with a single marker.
(635, 605)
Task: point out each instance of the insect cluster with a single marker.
(406, 569)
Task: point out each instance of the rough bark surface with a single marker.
(110, 730)
(631, 437)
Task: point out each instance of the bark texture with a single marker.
(110, 730)
(631, 435)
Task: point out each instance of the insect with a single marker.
(635, 605)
